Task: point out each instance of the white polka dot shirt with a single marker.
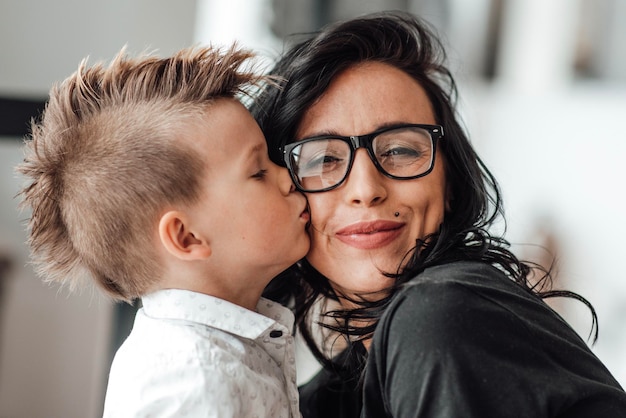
(194, 355)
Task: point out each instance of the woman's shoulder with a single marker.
(468, 272)
(467, 327)
(449, 287)
(471, 301)
(459, 297)
(469, 278)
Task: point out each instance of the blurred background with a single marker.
(542, 93)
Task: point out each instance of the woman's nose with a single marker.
(365, 185)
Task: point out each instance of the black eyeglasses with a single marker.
(322, 163)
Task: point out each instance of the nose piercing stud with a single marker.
(396, 214)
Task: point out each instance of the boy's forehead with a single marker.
(226, 131)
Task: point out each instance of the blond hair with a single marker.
(106, 159)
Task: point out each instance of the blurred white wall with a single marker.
(246, 22)
(554, 141)
(42, 41)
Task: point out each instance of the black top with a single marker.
(329, 395)
(463, 340)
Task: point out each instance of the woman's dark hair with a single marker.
(407, 43)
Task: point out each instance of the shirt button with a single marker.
(276, 334)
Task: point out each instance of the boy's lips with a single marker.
(370, 235)
(305, 215)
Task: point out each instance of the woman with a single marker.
(401, 208)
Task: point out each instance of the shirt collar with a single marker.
(186, 305)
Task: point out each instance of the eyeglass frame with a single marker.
(363, 141)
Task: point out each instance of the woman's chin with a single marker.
(371, 284)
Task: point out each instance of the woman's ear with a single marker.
(179, 240)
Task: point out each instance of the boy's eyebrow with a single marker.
(255, 150)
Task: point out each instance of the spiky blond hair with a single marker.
(106, 157)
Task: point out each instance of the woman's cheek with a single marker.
(319, 214)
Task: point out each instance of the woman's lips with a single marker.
(370, 235)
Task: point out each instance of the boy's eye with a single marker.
(260, 174)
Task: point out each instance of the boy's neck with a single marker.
(245, 296)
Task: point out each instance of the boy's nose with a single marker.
(284, 181)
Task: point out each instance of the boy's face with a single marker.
(249, 210)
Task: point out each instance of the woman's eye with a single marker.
(322, 163)
(400, 152)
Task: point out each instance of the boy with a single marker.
(150, 176)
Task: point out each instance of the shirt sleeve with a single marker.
(442, 350)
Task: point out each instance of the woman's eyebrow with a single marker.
(333, 132)
(326, 132)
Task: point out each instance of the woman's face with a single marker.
(355, 233)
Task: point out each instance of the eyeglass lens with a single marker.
(322, 163)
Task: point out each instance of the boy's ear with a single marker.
(179, 240)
